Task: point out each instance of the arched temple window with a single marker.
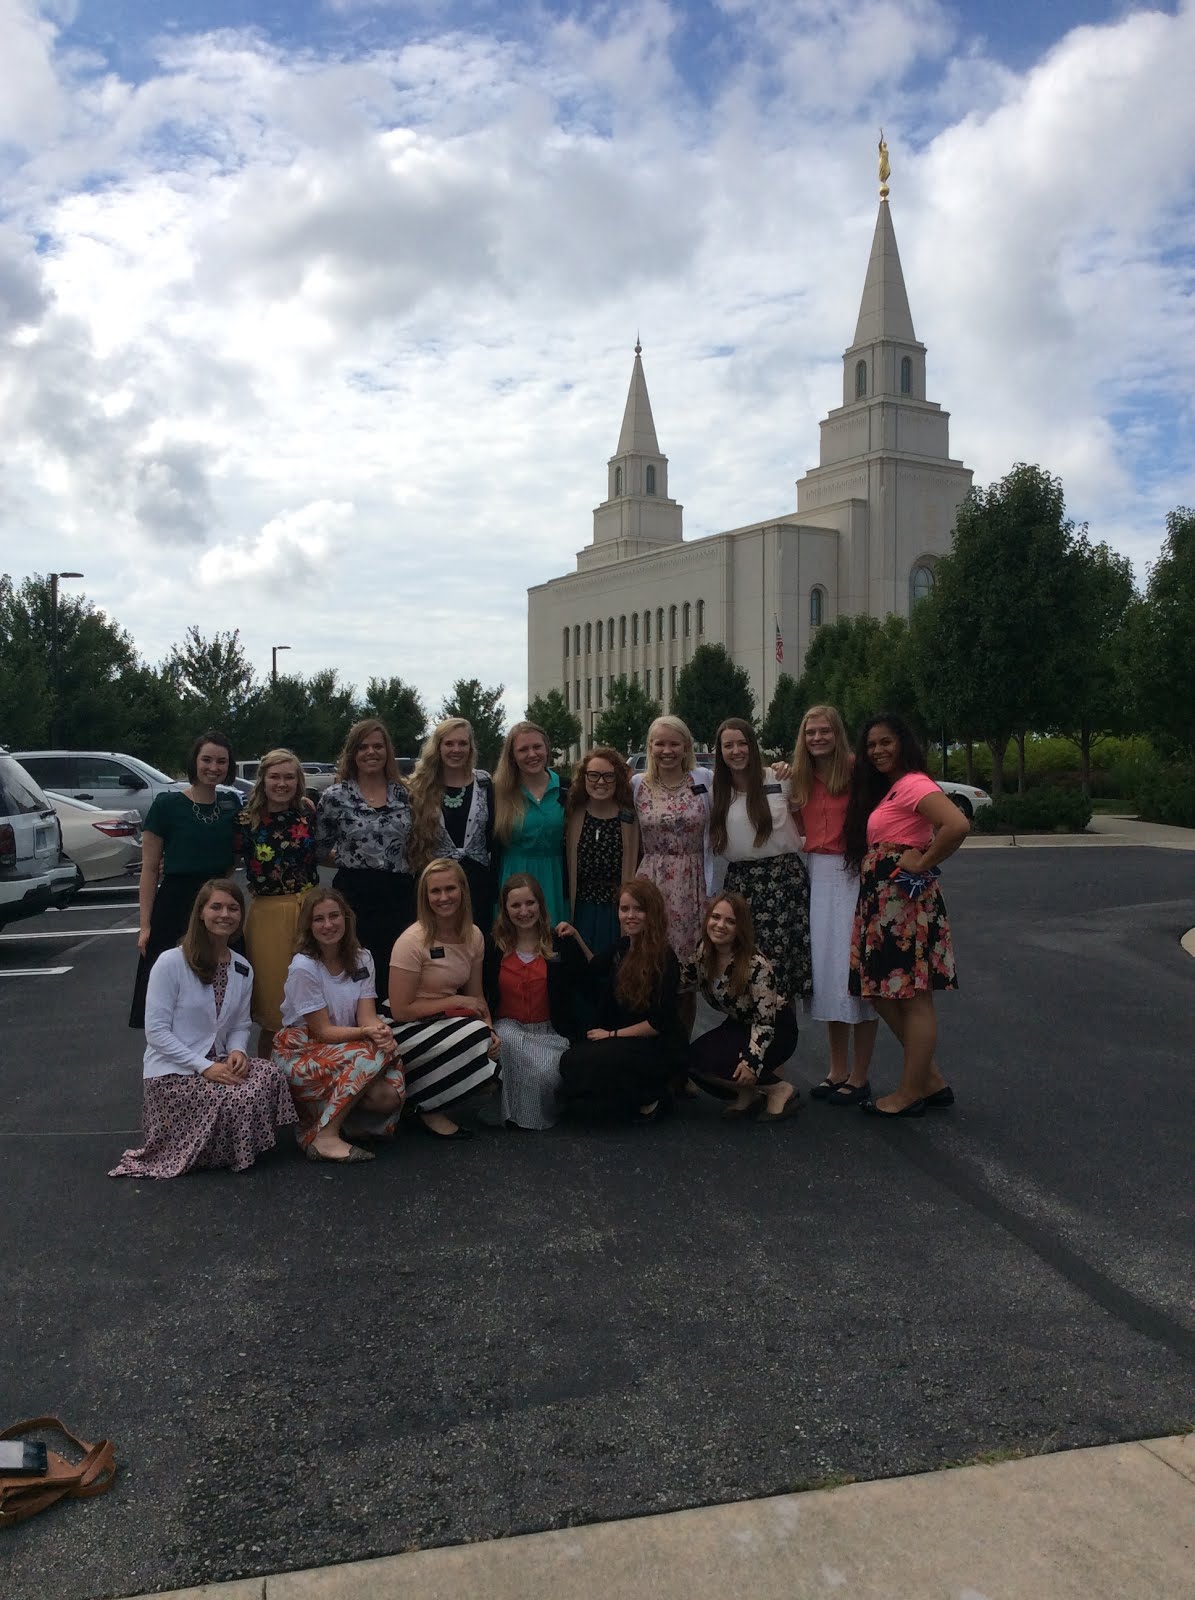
(860, 379)
(651, 480)
(906, 375)
(817, 606)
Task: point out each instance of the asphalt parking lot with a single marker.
(301, 1365)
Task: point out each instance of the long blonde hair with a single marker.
(346, 766)
(426, 788)
(257, 806)
(197, 945)
(509, 805)
(505, 934)
(838, 779)
(667, 724)
(423, 910)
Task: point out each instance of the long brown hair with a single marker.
(738, 974)
(620, 789)
(505, 934)
(257, 806)
(426, 788)
(643, 965)
(197, 945)
(758, 810)
(346, 766)
(423, 910)
(509, 805)
(348, 951)
(804, 771)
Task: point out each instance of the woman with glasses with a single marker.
(601, 843)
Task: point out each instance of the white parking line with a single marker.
(75, 933)
(33, 972)
(90, 910)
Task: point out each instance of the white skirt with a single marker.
(833, 895)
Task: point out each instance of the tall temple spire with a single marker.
(884, 309)
(638, 434)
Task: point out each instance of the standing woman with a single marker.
(275, 842)
(530, 978)
(626, 1061)
(441, 1021)
(188, 838)
(364, 823)
(601, 843)
(338, 1055)
(821, 781)
(747, 1050)
(751, 826)
(452, 812)
(672, 805)
(899, 826)
(206, 1103)
(529, 815)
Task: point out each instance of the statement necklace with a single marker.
(206, 811)
(455, 801)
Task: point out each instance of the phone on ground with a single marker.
(20, 1457)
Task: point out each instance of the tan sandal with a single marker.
(355, 1154)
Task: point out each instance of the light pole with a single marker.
(54, 717)
(274, 664)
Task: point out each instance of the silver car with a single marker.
(34, 872)
(101, 777)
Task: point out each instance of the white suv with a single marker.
(34, 873)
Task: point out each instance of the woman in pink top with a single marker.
(899, 826)
(821, 777)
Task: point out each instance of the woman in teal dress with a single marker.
(529, 816)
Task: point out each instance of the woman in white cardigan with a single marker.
(206, 1103)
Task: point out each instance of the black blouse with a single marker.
(661, 1010)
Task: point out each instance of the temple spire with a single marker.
(638, 434)
(884, 310)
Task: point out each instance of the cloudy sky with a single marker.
(316, 316)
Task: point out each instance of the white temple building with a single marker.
(871, 518)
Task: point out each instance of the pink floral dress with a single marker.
(674, 824)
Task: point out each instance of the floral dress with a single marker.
(674, 826)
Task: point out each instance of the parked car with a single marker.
(102, 777)
(35, 874)
(318, 776)
(102, 844)
(966, 796)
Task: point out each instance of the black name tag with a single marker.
(436, 953)
(242, 968)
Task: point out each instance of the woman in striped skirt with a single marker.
(441, 1021)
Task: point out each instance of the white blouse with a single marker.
(181, 1025)
(311, 987)
(740, 830)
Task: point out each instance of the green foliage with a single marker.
(862, 665)
(1167, 794)
(1043, 810)
(778, 731)
(216, 683)
(710, 688)
(400, 708)
(629, 713)
(483, 708)
(1161, 652)
(557, 721)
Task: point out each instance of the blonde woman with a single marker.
(364, 825)
(452, 811)
(275, 842)
(529, 801)
(821, 781)
(441, 1021)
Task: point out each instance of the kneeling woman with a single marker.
(206, 1103)
(625, 1062)
(530, 981)
(759, 1034)
(338, 1055)
(441, 1021)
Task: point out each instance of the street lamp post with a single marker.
(55, 721)
(274, 665)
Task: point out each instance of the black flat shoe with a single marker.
(850, 1095)
(826, 1089)
(915, 1108)
(939, 1101)
(459, 1133)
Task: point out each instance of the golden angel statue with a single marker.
(885, 169)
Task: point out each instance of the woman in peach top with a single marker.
(821, 775)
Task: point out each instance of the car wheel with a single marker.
(964, 805)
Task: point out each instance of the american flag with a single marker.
(779, 642)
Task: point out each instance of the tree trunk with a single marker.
(969, 759)
(1020, 738)
(945, 755)
(997, 747)
(1085, 758)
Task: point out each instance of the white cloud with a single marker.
(335, 350)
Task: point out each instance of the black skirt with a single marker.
(384, 904)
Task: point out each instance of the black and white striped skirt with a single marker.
(443, 1059)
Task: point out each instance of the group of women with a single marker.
(763, 888)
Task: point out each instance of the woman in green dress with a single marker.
(529, 816)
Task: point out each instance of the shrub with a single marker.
(1039, 810)
(1167, 794)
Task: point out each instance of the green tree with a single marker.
(629, 713)
(483, 708)
(1160, 648)
(216, 683)
(399, 706)
(554, 717)
(778, 730)
(710, 688)
(840, 668)
(1094, 691)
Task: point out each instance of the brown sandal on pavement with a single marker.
(355, 1154)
